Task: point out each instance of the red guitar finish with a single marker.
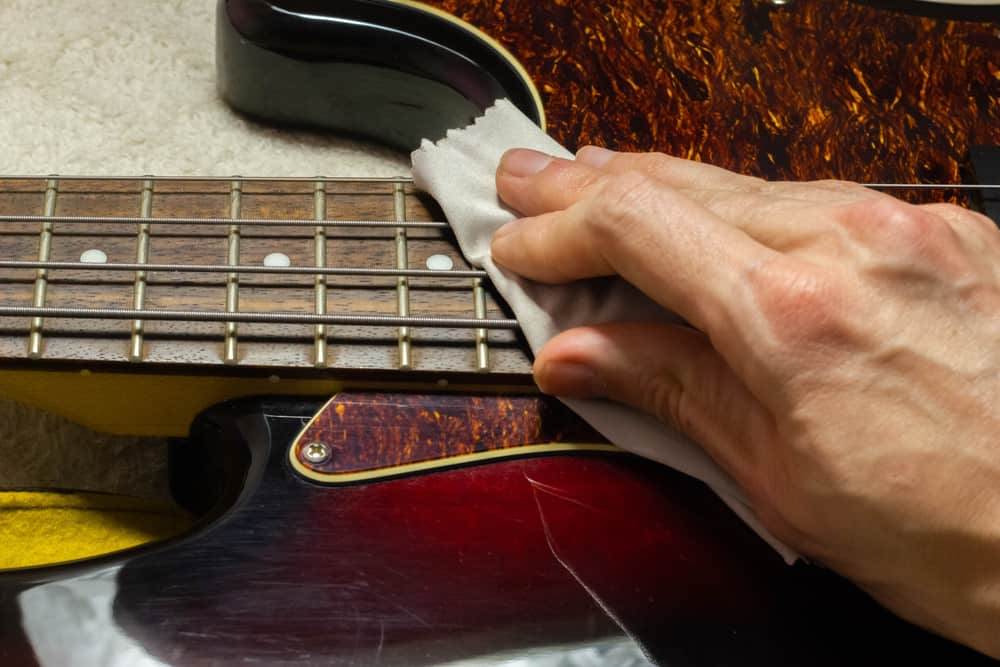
(522, 557)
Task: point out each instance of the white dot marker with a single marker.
(94, 256)
(277, 259)
(440, 263)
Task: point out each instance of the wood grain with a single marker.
(177, 345)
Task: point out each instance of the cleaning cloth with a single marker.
(459, 172)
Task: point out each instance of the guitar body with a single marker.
(457, 528)
(891, 92)
(574, 557)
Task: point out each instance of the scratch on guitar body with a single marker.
(558, 493)
(550, 542)
(381, 642)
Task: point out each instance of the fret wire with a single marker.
(482, 338)
(256, 222)
(319, 244)
(141, 258)
(276, 317)
(244, 268)
(41, 279)
(233, 279)
(402, 283)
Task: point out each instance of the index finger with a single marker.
(666, 244)
(532, 183)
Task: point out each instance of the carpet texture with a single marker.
(51, 527)
(128, 86)
(125, 87)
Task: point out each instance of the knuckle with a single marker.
(905, 226)
(901, 220)
(951, 211)
(962, 216)
(618, 200)
(663, 165)
(910, 238)
(798, 304)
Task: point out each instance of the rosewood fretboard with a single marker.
(392, 292)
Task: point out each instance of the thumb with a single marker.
(669, 371)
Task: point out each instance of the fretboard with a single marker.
(348, 275)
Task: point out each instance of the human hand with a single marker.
(843, 363)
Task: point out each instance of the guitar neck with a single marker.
(302, 276)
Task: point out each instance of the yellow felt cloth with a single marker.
(43, 528)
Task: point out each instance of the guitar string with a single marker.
(271, 317)
(478, 323)
(395, 179)
(245, 268)
(256, 222)
(278, 222)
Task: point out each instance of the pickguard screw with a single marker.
(316, 453)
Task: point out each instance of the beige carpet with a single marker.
(128, 87)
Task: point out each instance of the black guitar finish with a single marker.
(379, 69)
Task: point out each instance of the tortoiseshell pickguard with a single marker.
(812, 89)
(374, 435)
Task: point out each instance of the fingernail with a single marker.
(594, 156)
(571, 380)
(521, 162)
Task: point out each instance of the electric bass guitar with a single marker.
(437, 510)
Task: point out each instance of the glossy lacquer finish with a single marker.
(869, 91)
(380, 69)
(535, 556)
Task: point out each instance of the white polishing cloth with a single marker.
(459, 172)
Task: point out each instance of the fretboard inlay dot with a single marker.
(278, 259)
(94, 256)
(325, 300)
(440, 263)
